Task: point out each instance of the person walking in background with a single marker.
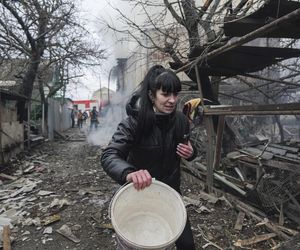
(79, 119)
(94, 118)
(85, 116)
(151, 141)
(73, 118)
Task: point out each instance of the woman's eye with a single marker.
(169, 94)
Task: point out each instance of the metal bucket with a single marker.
(152, 218)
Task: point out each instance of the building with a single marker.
(11, 130)
(103, 96)
(86, 104)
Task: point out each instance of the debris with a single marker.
(44, 193)
(4, 221)
(223, 198)
(189, 201)
(48, 230)
(29, 169)
(8, 177)
(208, 197)
(221, 179)
(29, 221)
(51, 219)
(269, 225)
(89, 191)
(239, 221)
(46, 239)
(210, 243)
(202, 209)
(254, 240)
(66, 231)
(105, 226)
(293, 243)
(288, 230)
(76, 227)
(60, 135)
(59, 203)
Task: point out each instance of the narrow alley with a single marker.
(62, 186)
(57, 197)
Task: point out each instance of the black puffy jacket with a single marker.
(155, 152)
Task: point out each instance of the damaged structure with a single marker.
(262, 173)
(11, 129)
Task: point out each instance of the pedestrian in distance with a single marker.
(73, 118)
(94, 118)
(85, 116)
(79, 119)
(151, 141)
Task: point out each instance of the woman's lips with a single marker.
(169, 107)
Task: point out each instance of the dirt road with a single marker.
(64, 190)
(69, 171)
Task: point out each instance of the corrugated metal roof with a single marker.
(235, 26)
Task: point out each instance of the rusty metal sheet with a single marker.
(236, 26)
(273, 150)
(288, 148)
(255, 152)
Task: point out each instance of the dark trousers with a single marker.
(94, 124)
(186, 239)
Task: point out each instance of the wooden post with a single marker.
(210, 134)
(43, 119)
(28, 123)
(209, 154)
(6, 238)
(217, 156)
(1, 146)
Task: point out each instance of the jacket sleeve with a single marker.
(188, 131)
(114, 156)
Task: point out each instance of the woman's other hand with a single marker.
(185, 150)
(140, 179)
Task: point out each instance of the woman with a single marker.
(151, 141)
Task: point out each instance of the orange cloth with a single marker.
(190, 107)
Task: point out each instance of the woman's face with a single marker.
(165, 102)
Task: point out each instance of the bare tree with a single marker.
(187, 29)
(182, 29)
(44, 31)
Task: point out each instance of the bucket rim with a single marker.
(133, 244)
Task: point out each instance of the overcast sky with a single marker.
(92, 10)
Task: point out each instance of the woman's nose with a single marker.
(173, 98)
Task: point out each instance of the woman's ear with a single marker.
(151, 96)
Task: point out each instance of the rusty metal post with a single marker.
(220, 130)
(28, 123)
(1, 146)
(210, 140)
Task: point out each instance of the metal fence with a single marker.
(59, 117)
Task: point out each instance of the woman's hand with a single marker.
(185, 150)
(140, 179)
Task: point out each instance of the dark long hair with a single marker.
(156, 78)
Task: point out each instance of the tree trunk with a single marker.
(27, 87)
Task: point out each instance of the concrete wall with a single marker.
(59, 117)
(12, 135)
(8, 111)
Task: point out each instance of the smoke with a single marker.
(112, 115)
